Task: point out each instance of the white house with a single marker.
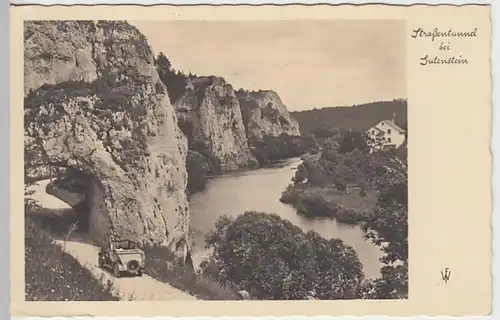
(386, 134)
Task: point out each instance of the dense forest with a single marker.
(357, 117)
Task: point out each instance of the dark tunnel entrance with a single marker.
(68, 185)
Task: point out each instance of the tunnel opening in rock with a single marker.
(109, 117)
(60, 201)
(73, 187)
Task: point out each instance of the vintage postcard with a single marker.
(233, 160)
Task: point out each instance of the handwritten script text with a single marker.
(445, 39)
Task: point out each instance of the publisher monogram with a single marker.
(446, 274)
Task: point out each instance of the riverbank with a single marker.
(328, 202)
(200, 172)
(269, 151)
(260, 190)
(275, 164)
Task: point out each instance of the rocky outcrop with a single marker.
(264, 114)
(210, 116)
(94, 103)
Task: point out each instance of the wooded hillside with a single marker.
(357, 117)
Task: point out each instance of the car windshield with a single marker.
(125, 244)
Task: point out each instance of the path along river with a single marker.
(260, 190)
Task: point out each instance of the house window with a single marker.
(389, 140)
(388, 131)
(373, 131)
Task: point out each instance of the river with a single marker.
(260, 190)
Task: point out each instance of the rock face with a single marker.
(265, 114)
(210, 116)
(94, 103)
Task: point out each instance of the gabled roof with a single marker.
(395, 126)
(391, 124)
(375, 128)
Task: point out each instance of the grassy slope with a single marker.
(328, 202)
(53, 275)
(65, 270)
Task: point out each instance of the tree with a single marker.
(392, 284)
(163, 65)
(274, 259)
(174, 81)
(301, 174)
(387, 227)
(321, 121)
(353, 140)
(330, 151)
(30, 204)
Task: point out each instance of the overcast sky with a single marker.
(311, 63)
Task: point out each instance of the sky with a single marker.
(310, 63)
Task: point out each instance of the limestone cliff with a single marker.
(264, 114)
(94, 103)
(210, 116)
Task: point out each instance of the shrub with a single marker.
(275, 260)
(164, 266)
(271, 148)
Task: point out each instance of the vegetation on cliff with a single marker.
(94, 104)
(176, 81)
(110, 120)
(255, 119)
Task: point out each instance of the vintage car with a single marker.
(122, 256)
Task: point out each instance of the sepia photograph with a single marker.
(166, 160)
(177, 157)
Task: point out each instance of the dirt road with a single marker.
(127, 288)
(44, 199)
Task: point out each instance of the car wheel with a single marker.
(116, 270)
(100, 262)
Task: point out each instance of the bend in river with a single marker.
(259, 190)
